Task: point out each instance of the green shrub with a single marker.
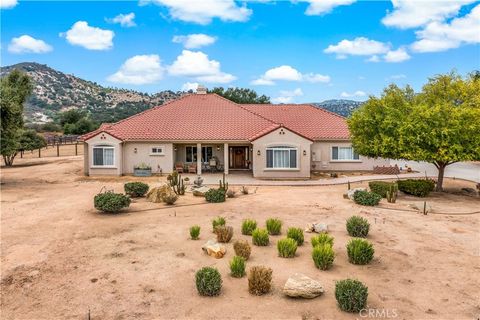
(170, 198)
(136, 189)
(287, 248)
(274, 226)
(218, 221)
(366, 198)
(242, 248)
(323, 256)
(224, 233)
(237, 267)
(248, 226)
(351, 295)
(215, 195)
(358, 227)
(111, 202)
(208, 281)
(416, 187)
(259, 280)
(194, 232)
(260, 237)
(360, 251)
(296, 234)
(380, 187)
(322, 238)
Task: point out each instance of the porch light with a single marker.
(175, 148)
(218, 148)
(304, 152)
(134, 150)
(258, 152)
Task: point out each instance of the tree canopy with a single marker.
(240, 95)
(440, 125)
(76, 121)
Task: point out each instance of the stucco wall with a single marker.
(104, 139)
(322, 158)
(276, 138)
(143, 155)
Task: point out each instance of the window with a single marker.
(207, 153)
(157, 150)
(103, 156)
(281, 157)
(191, 156)
(344, 154)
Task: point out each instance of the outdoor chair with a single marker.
(213, 165)
(179, 167)
(192, 168)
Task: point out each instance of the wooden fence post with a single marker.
(58, 150)
(39, 153)
(76, 150)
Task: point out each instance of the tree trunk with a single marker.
(9, 159)
(441, 171)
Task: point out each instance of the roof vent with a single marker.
(201, 89)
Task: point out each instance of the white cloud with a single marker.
(193, 41)
(288, 73)
(438, 36)
(360, 46)
(139, 70)
(395, 56)
(374, 58)
(202, 12)
(92, 38)
(8, 4)
(411, 13)
(197, 65)
(288, 96)
(357, 93)
(28, 44)
(319, 7)
(187, 86)
(125, 20)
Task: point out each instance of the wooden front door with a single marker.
(238, 158)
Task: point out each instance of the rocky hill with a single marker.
(55, 91)
(341, 107)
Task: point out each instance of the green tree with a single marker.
(439, 125)
(14, 91)
(31, 140)
(71, 116)
(240, 95)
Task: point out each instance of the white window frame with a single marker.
(344, 160)
(162, 153)
(103, 147)
(281, 148)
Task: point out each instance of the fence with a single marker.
(56, 150)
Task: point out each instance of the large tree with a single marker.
(240, 95)
(440, 125)
(14, 91)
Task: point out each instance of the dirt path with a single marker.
(60, 258)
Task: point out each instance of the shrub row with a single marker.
(416, 187)
(380, 187)
(366, 198)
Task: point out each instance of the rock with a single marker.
(469, 190)
(301, 286)
(349, 193)
(317, 227)
(200, 192)
(419, 207)
(214, 249)
(156, 194)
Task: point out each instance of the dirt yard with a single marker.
(60, 258)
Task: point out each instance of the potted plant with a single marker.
(142, 170)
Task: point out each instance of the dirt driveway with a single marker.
(60, 258)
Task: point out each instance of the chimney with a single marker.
(201, 89)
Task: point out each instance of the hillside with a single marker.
(341, 107)
(55, 91)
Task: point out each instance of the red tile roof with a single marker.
(206, 117)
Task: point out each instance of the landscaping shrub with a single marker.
(323, 256)
(360, 251)
(248, 226)
(366, 198)
(208, 281)
(351, 295)
(194, 232)
(111, 202)
(244, 190)
(136, 189)
(224, 233)
(242, 248)
(170, 198)
(218, 221)
(274, 226)
(215, 195)
(237, 267)
(259, 280)
(296, 234)
(416, 187)
(260, 237)
(322, 238)
(358, 227)
(231, 193)
(287, 248)
(380, 187)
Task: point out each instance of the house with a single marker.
(271, 141)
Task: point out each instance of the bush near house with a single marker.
(296, 234)
(242, 249)
(260, 237)
(416, 187)
(287, 248)
(248, 225)
(194, 232)
(358, 227)
(321, 239)
(274, 226)
(237, 267)
(360, 251)
(351, 295)
(170, 198)
(208, 281)
(218, 221)
(259, 280)
(323, 256)
(215, 195)
(380, 187)
(224, 233)
(136, 189)
(366, 198)
(111, 202)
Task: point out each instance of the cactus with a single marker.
(177, 183)
(392, 193)
(349, 185)
(223, 184)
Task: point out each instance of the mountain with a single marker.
(55, 91)
(342, 107)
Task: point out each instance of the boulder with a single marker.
(214, 249)
(317, 227)
(301, 286)
(200, 192)
(349, 193)
(156, 194)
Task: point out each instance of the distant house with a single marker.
(201, 131)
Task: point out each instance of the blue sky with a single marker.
(301, 51)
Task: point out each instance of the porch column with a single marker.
(199, 158)
(225, 158)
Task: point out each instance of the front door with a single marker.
(238, 157)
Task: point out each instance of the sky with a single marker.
(293, 51)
